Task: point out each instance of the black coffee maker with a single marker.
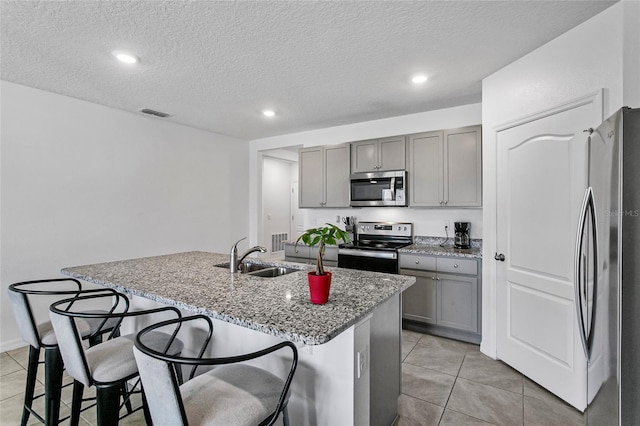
(462, 234)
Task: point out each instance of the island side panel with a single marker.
(386, 373)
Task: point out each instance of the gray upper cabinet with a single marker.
(426, 176)
(463, 167)
(445, 168)
(336, 176)
(324, 176)
(378, 155)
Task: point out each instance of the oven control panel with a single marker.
(389, 229)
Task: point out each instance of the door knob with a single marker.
(499, 257)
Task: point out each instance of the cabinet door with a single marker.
(457, 302)
(311, 177)
(425, 169)
(419, 300)
(337, 176)
(364, 156)
(296, 251)
(392, 153)
(463, 167)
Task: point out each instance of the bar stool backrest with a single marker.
(65, 323)
(160, 375)
(24, 318)
(19, 294)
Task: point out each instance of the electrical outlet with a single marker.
(338, 219)
(447, 226)
(362, 361)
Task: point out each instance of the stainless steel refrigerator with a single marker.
(607, 264)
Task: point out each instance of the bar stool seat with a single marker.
(86, 327)
(112, 360)
(244, 395)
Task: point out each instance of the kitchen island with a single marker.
(349, 367)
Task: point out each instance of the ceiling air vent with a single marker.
(155, 113)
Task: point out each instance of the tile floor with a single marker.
(444, 382)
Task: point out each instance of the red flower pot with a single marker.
(319, 286)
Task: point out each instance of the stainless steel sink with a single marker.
(260, 270)
(273, 271)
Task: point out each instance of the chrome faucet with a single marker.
(234, 261)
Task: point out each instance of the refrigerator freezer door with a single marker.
(602, 370)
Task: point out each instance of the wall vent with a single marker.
(155, 113)
(277, 241)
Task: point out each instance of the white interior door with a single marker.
(542, 174)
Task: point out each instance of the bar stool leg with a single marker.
(32, 370)
(76, 403)
(108, 399)
(285, 416)
(125, 395)
(145, 407)
(53, 368)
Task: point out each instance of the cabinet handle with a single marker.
(441, 202)
(455, 265)
(433, 278)
(445, 203)
(438, 278)
(417, 262)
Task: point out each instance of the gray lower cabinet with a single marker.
(446, 298)
(304, 254)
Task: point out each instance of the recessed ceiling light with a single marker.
(127, 58)
(268, 113)
(419, 78)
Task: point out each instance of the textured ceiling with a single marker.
(215, 65)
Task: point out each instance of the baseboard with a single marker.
(11, 345)
(450, 333)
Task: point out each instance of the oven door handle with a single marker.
(365, 253)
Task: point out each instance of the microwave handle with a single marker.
(393, 188)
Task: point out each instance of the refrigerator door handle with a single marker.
(591, 315)
(578, 269)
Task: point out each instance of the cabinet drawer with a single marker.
(458, 266)
(330, 253)
(291, 250)
(417, 261)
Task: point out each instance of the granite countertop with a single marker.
(447, 250)
(277, 306)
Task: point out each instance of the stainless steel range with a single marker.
(375, 247)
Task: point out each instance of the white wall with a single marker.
(82, 183)
(585, 59)
(428, 221)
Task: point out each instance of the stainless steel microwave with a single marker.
(379, 189)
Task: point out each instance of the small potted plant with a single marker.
(320, 280)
